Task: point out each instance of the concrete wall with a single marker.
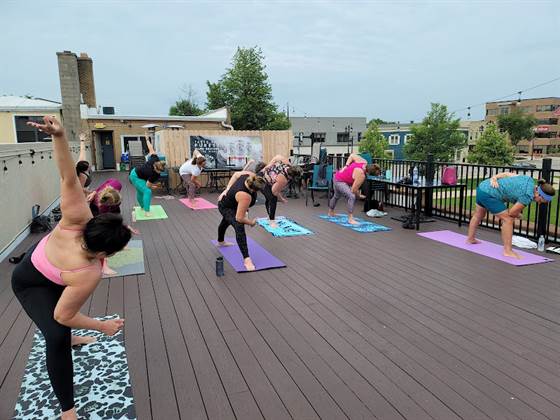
(329, 125)
(34, 181)
(7, 123)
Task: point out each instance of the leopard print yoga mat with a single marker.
(102, 387)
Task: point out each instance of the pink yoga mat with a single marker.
(201, 204)
(488, 249)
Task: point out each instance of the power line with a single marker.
(519, 92)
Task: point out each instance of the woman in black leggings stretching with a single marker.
(62, 271)
(233, 203)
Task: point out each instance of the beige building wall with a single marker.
(7, 123)
(121, 128)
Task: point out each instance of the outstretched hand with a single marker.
(51, 126)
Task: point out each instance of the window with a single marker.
(27, 134)
(342, 137)
(492, 111)
(394, 140)
(504, 110)
(526, 109)
(546, 108)
(390, 153)
(407, 138)
(548, 121)
(126, 139)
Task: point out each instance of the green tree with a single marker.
(374, 143)
(437, 134)
(245, 89)
(492, 148)
(378, 122)
(187, 105)
(518, 125)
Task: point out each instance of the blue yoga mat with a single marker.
(102, 387)
(364, 226)
(286, 227)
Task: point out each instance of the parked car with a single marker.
(524, 165)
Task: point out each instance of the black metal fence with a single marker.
(536, 220)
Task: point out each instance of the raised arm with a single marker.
(197, 154)
(83, 139)
(75, 209)
(151, 149)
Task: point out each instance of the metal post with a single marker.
(428, 191)
(542, 222)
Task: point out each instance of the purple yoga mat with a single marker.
(262, 259)
(488, 249)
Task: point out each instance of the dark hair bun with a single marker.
(106, 233)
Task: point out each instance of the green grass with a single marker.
(453, 204)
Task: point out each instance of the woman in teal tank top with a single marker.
(493, 195)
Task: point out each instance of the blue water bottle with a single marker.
(219, 266)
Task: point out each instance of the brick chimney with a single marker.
(70, 93)
(87, 85)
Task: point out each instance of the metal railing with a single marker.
(537, 219)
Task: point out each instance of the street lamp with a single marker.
(350, 139)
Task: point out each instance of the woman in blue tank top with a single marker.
(494, 193)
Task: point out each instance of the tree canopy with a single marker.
(492, 148)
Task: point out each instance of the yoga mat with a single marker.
(488, 249)
(365, 226)
(262, 259)
(157, 213)
(129, 261)
(102, 387)
(201, 204)
(285, 227)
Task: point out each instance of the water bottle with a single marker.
(415, 175)
(540, 246)
(219, 266)
(133, 216)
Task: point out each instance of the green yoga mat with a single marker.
(157, 213)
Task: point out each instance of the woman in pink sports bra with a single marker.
(347, 183)
(61, 272)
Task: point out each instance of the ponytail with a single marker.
(255, 182)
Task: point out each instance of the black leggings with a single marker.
(39, 296)
(271, 201)
(228, 218)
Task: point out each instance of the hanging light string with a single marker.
(519, 92)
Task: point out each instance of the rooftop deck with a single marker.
(383, 325)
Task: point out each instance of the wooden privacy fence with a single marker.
(175, 144)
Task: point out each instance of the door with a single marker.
(107, 149)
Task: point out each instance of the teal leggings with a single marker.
(143, 192)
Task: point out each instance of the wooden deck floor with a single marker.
(383, 325)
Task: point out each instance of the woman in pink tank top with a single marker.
(61, 272)
(348, 181)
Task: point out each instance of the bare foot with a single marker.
(193, 202)
(80, 341)
(331, 213)
(352, 221)
(225, 243)
(512, 254)
(273, 224)
(472, 241)
(147, 214)
(249, 264)
(69, 415)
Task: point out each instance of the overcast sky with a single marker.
(346, 58)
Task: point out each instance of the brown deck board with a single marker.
(387, 325)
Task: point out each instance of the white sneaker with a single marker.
(376, 213)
